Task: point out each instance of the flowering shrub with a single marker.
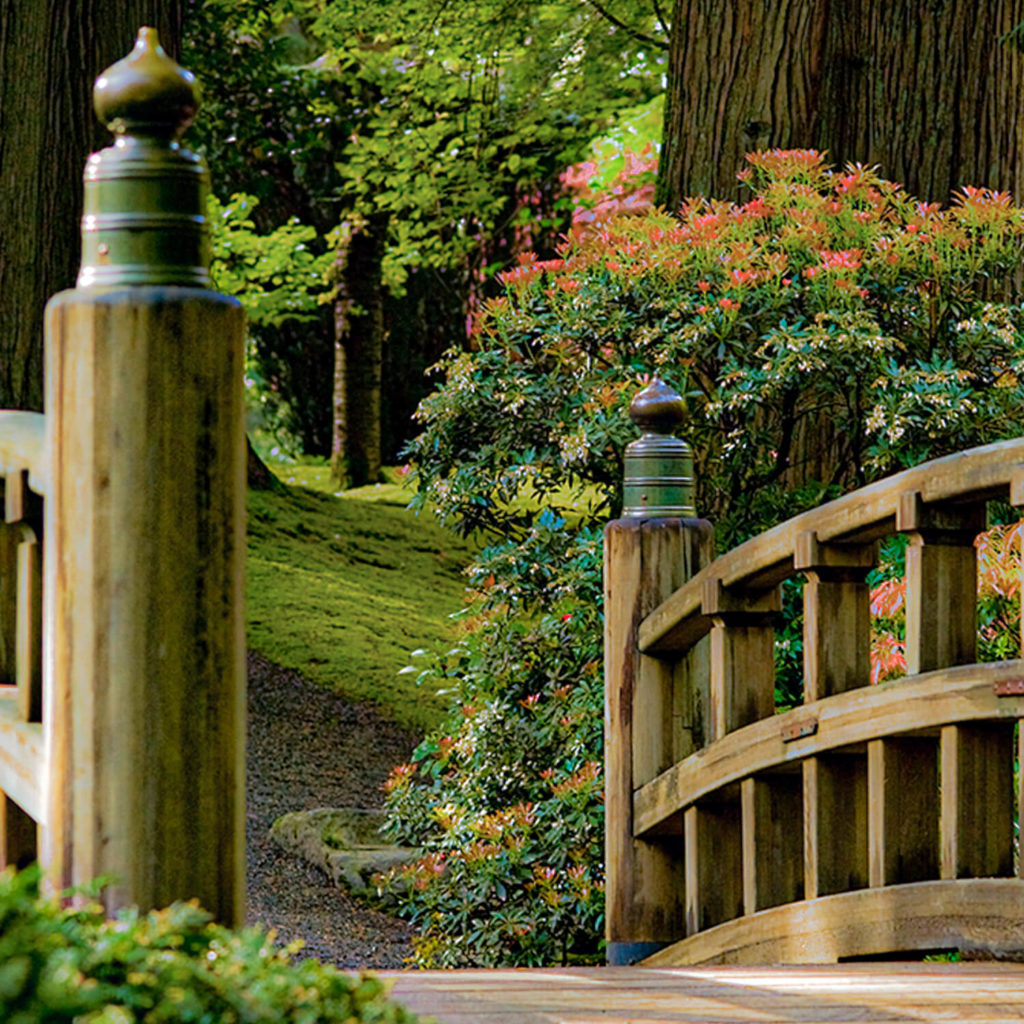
(508, 798)
(825, 332)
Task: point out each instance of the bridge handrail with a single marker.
(760, 563)
(730, 826)
(23, 447)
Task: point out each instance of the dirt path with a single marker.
(308, 749)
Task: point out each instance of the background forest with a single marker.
(404, 183)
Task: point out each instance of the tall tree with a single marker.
(927, 89)
(50, 54)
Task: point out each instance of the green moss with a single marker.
(342, 590)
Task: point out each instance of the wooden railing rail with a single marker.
(868, 820)
(122, 672)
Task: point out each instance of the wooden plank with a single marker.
(835, 807)
(671, 550)
(837, 635)
(883, 993)
(18, 839)
(903, 810)
(691, 706)
(714, 862)
(985, 915)
(929, 701)
(863, 515)
(773, 861)
(1020, 789)
(977, 800)
(22, 766)
(643, 560)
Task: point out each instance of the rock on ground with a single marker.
(308, 748)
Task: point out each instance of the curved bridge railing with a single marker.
(869, 820)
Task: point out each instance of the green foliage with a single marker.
(65, 966)
(448, 122)
(278, 277)
(829, 303)
(507, 797)
(829, 306)
(341, 590)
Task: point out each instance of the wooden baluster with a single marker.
(941, 582)
(648, 722)
(977, 800)
(742, 654)
(837, 615)
(773, 869)
(903, 810)
(713, 856)
(835, 824)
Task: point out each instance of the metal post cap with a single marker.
(658, 467)
(145, 196)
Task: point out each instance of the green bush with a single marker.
(62, 965)
(826, 332)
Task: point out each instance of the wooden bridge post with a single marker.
(145, 523)
(651, 712)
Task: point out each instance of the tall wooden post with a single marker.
(144, 523)
(651, 551)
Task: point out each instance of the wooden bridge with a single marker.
(870, 821)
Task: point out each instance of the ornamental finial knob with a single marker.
(658, 467)
(658, 409)
(146, 93)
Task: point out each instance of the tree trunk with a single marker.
(743, 75)
(50, 54)
(358, 357)
(926, 90)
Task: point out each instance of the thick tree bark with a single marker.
(924, 88)
(359, 358)
(51, 51)
(743, 75)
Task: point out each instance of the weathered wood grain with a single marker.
(903, 810)
(960, 694)
(983, 914)
(145, 545)
(860, 517)
(889, 993)
(22, 764)
(977, 800)
(645, 727)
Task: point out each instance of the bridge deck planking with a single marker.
(879, 993)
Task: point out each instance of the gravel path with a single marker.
(308, 748)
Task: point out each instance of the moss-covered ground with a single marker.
(342, 589)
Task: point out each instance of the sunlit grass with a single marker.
(342, 589)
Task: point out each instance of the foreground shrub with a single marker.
(826, 332)
(60, 965)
